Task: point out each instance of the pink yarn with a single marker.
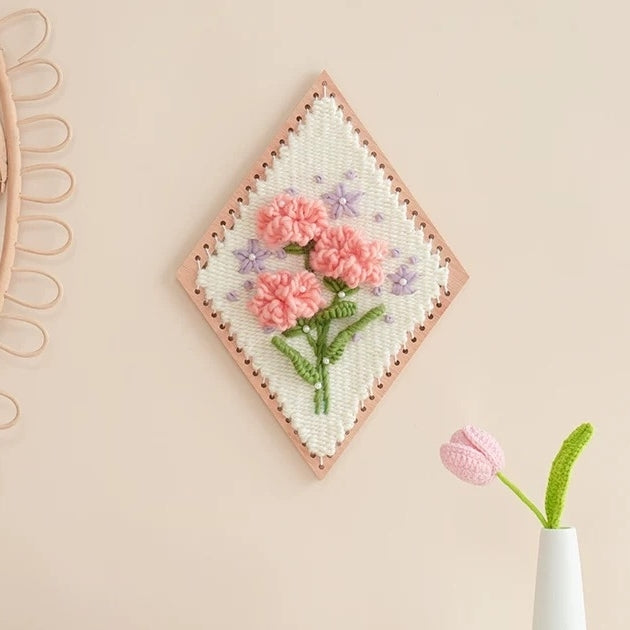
(473, 455)
(282, 297)
(342, 252)
(288, 219)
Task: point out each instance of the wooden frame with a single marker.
(226, 219)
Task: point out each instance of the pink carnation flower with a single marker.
(282, 297)
(342, 252)
(288, 219)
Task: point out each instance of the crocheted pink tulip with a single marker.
(282, 297)
(289, 219)
(473, 455)
(342, 252)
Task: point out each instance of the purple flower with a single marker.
(291, 191)
(413, 260)
(395, 253)
(252, 257)
(318, 179)
(356, 337)
(232, 296)
(351, 175)
(342, 202)
(248, 284)
(377, 291)
(268, 330)
(378, 217)
(281, 254)
(402, 280)
(388, 319)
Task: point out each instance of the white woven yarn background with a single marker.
(325, 144)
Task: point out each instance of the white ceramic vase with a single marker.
(559, 602)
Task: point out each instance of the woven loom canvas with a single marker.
(322, 275)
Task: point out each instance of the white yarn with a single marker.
(325, 144)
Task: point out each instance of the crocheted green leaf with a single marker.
(336, 285)
(561, 472)
(339, 343)
(336, 310)
(307, 371)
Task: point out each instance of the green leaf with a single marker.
(294, 248)
(339, 343)
(336, 310)
(332, 284)
(304, 369)
(561, 472)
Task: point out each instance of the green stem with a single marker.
(519, 493)
(322, 394)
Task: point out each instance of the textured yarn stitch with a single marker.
(560, 473)
(324, 144)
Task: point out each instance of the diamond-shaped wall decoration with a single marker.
(322, 275)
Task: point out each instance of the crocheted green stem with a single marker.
(519, 493)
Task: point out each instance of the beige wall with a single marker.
(148, 488)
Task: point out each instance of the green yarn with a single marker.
(560, 473)
(293, 248)
(339, 343)
(521, 495)
(336, 310)
(302, 366)
(336, 285)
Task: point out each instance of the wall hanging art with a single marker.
(16, 167)
(322, 275)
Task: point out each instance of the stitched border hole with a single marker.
(248, 188)
(382, 167)
(414, 339)
(197, 257)
(398, 189)
(290, 129)
(197, 291)
(363, 408)
(265, 165)
(373, 154)
(307, 106)
(388, 374)
(340, 106)
(263, 385)
(357, 130)
(222, 326)
(321, 466)
(230, 338)
(205, 302)
(379, 385)
(405, 350)
(390, 178)
(282, 141)
(298, 118)
(447, 293)
(272, 396)
(406, 201)
(371, 396)
(414, 213)
(438, 304)
(256, 176)
(255, 372)
(365, 143)
(423, 225)
(239, 350)
(273, 154)
(348, 118)
(430, 315)
(423, 328)
(332, 94)
(431, 237)
(315, 95)
(447, 259)
(313, 455)
(213, 314)
(396, 362)
(247, 361)
(223, 223)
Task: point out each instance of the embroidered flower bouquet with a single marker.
(338, 260)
